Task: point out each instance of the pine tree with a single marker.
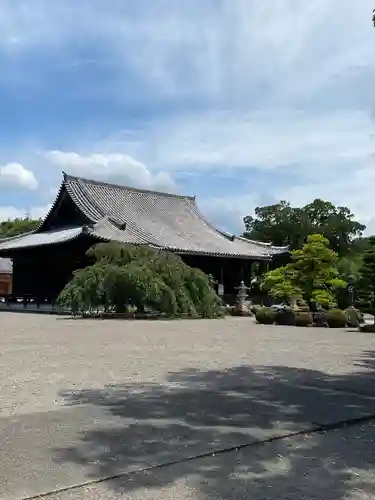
(312, 275)
(366, 285)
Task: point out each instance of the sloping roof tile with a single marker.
(129, 215)
(164, 220)
(41, 239)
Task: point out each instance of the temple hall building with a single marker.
(86, 212)
(6, 272)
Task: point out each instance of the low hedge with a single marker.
(255, 308)
(336, 318)
(304, 318)
(265, 316)
(285, 316)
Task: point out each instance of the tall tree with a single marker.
(150, 278)
(283, 224)
(312, 275)
(366, 283)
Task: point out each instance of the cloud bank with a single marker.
(241, 102)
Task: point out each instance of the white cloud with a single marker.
(295, 80)
(111, 168)
(264, 140)
(352, 190)
(227, 213)
(15, 175)
(222, 50)
(34, 212)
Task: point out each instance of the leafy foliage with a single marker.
(145, 277)
(366, 283)
(18, 226)
(286, 316)
(283, 225)
(336, 318)
(304, 318)
(265, 316)
(312, 275)
(281, 284)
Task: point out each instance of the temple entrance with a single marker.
(228, 272)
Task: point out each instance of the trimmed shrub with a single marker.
(265, 316)
(304, 318)
(285, 316)
(354, 317)
(302, 306)
(255, 308)
(336, 318)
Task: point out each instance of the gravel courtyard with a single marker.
(88, 399)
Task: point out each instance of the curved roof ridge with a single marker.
(262, 243)
(234, 237)
(53, 206)
(16, 236)
(199, 214)
(68, 177)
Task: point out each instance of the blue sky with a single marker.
(241, 102)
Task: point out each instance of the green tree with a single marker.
(366, 283)
(18, 226)
(350, 264)
(312, 275)
(144, 276)
(283, 225)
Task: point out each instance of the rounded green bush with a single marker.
(255, 308)
(265, 316)
(304, 318)
(336, 318)
(285, 316)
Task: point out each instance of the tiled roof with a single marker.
(40, 239)
(129, 215)
(163, 220)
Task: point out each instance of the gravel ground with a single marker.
(87, 399)
(42, 355)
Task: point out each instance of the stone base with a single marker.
(242, 311)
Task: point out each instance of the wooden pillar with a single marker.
(220, 281)
(249, 273)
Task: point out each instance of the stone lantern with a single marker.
(242, 309)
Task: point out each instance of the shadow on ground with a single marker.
(195, 412)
